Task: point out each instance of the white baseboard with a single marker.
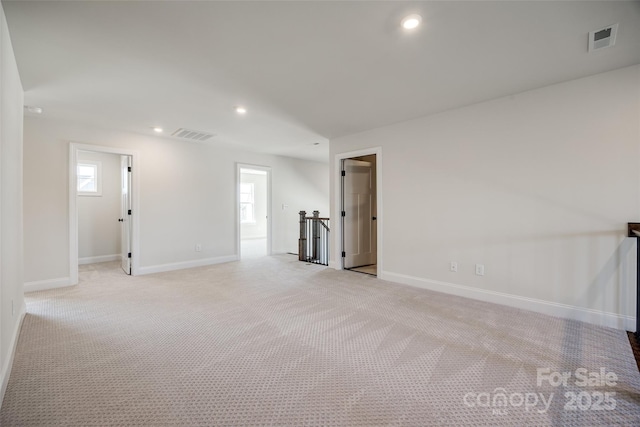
(5, 373)
(101, 258)
(596, 317)
(335, 265)
(185, 264)
(43, 285)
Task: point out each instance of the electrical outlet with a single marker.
(198, 247)
(480, 269)
(453, 267)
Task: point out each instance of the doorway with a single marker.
(359, 213)
(104, 232)
(103, 207)
(254, 222)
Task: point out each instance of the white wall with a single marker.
(99, 232)
(537, 186)
(187, 196)
(11, 279)
(258, 229)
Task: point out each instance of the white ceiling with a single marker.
(307, 71)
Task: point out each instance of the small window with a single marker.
(89, 178)
(247, 210)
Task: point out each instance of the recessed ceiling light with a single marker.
(240, 110)
(412, 21)
(157, 129)
(32, 109)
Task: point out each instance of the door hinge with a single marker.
(129, 211)
(344, 254)
(129, 169)
(129, 255)
(344, 213)
(344, 173)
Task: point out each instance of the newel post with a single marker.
(316, 235)
(302, 241)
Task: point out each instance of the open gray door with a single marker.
(125, 218)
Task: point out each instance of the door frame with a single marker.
(267, 169)
(74, 148)
(338, 236)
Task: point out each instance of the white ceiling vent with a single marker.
(602, 38)
(192, 135)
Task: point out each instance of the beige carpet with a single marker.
(275, 341)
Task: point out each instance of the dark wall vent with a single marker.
(604, 37)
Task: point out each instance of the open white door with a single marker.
(125, 218)
(358, 223)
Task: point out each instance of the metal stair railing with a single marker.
(313, 245)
